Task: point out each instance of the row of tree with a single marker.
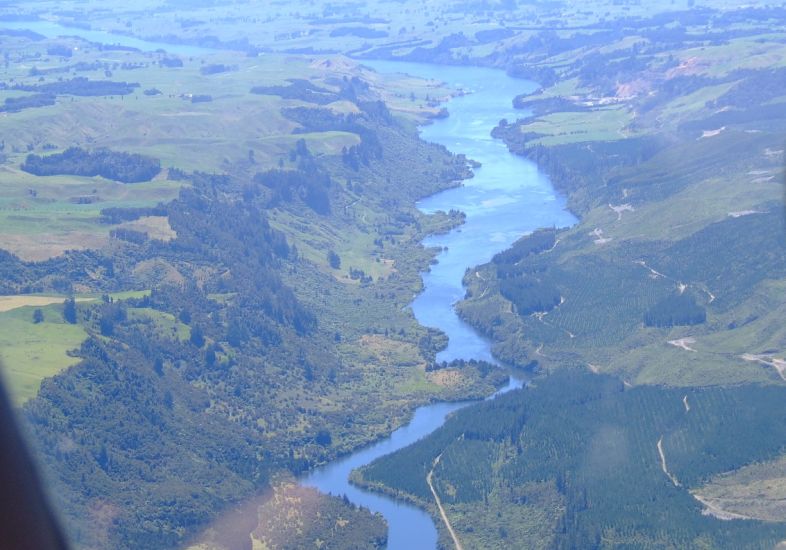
(119, 166)
(81, 86)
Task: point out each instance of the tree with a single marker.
(210, 356)
(236, 333)
(334, 259)
(197, 336)
(324, 438)
(158, 366)
(185, 316)
(107, 325)
(69, 310)
(103, 457)
(38, 316)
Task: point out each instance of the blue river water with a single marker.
(507, 198)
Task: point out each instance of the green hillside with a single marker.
(580, 461)
(237, 227)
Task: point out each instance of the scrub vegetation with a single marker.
(668, 145)
(206, 304)
(212, 246)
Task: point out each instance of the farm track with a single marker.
(429, 477)
(663, 465)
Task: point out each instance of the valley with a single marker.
(243, 216)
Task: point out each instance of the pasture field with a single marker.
(602, 124)
(31, 352)
(671, 157)
(236, 131)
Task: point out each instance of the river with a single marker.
(507, 198)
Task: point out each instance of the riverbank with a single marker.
(287, 398)
(506, 198)
(371, 337)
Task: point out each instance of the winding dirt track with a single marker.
(778, 364)
(456, 541)
(711, 509)
(663, 466)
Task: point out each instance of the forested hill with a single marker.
(581, 461)
(262, 333)
(235, 312)
(674, 161)
(116, 423)
(652, 319)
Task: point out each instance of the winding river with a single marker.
(507, 198)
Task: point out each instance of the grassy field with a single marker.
(236, 132)
(9, 303)
(602, 124)
(31, 352)
(165, 323)
(39, 216)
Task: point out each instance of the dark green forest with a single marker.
(16, 104)
(238, 337)
(244, 310)
(74, 161)
(80, 86)
(597, 442)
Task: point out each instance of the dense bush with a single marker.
(16, 104)
(674, 310)
(116, 215)
(81, 86)
(216, 68)
(171, 62)
(124, 167)
(307, 184)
